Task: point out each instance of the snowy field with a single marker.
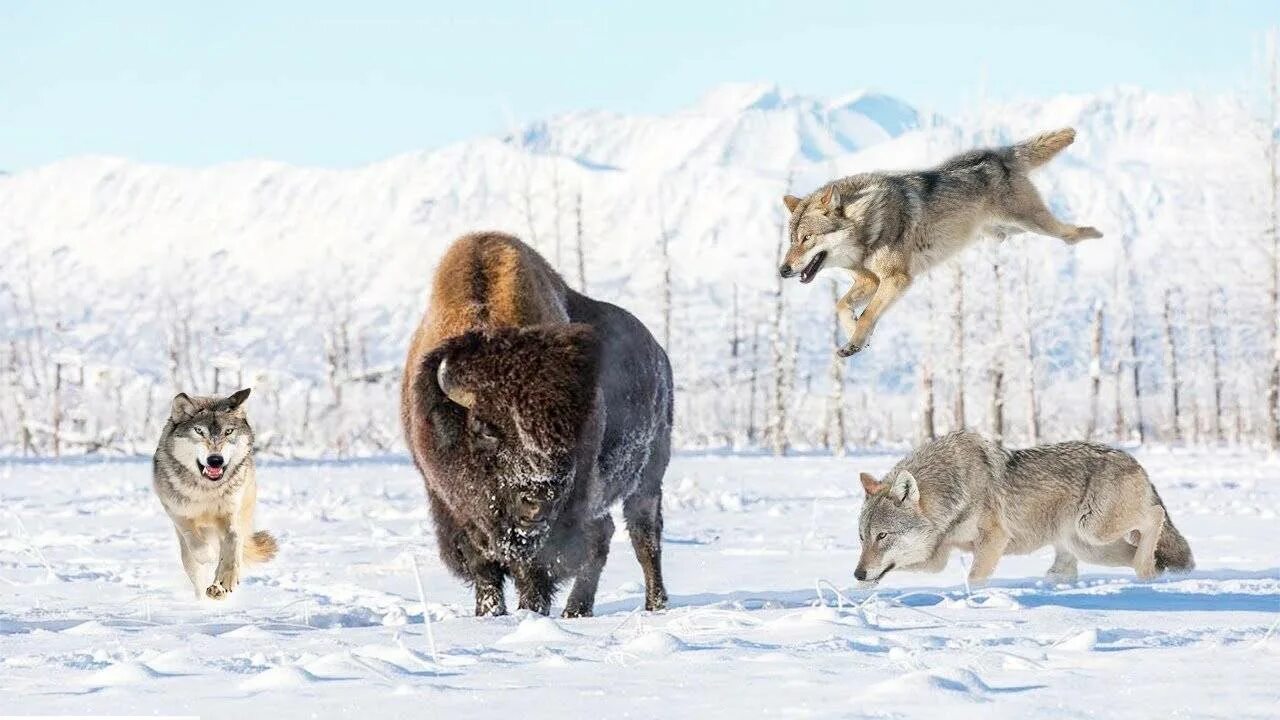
(96, 616)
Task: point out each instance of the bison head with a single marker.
(512, 424)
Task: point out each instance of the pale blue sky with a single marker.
(342, 84)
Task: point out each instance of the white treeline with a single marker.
(1164, 332)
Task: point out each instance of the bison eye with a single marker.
(484, 431)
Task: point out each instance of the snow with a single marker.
(101, 254)
(96, 617)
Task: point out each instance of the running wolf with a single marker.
(889, 228)
(964, 492)
(203, 474)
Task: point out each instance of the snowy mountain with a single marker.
(757, 127)
(306, 282)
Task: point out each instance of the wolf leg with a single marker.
(891, 288)
(582, 598)
(1064, 568)
(643, 514)
(987, 551)
(195, 552)
(864, 287)
(230, 559)
(1144, 558)
(1027, 208)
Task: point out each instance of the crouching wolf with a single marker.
(964, 492)
(203, 474)
(530, 410)
(889, 228)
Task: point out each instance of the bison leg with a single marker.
(644, 522)
(535, 586)
(582, 598)
(465, 560)
(490, 599)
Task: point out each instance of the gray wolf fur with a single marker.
(204, 476)
(889, 228)
(964, 492)
(530, 410)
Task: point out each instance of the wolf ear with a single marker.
(183, 407)
(869, 484)
(237, 398)
(830, 198)
(905, 488)
(791, 201)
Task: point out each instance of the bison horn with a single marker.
(465, 398)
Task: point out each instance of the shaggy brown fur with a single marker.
(530, 409)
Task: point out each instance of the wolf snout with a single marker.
(786, 271)
(214, 461)
(859, 574)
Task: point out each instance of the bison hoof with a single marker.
(576, 611)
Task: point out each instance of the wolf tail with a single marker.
(262, 547)
(1040, 149)
(1173, 554)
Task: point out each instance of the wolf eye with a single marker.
(881, 536)
(228, 432)
(199, 431)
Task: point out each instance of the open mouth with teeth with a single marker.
(813, 267)
(213, 473)
(872, 582)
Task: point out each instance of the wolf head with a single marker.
(513, 421)
(893, 529)
(209, 435)
(823, 230)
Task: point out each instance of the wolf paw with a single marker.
(1060, 577)
(225, 581)
(853, 348)
(217, 591)
(1083, 233)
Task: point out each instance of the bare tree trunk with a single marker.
(735, 369)
(1217, 349)
(1133, 357)
(957, 320)
(998, 354)
(778, 423)
(526, 196)
(582, 259)
(928, 420)
(836, 434)
(1095, 372)
(1029, 358)
(1273, 229)
(666, 287)
(1171, 361)
(752, 383)
(56, 420)
(555, 200)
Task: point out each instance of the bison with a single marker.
(530, 409)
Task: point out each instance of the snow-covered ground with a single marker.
(96, 617)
